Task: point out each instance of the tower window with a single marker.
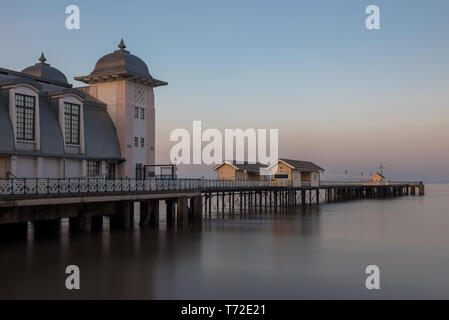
(142, 142)
(142, 113)
(25, 106)
(136, 142)
(72, 123)
(136, 113)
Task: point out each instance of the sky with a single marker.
(342, 96)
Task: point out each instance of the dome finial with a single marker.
(122, 45)
(42, 58)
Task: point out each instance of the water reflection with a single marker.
(310, 252)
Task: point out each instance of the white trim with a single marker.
(275, 163)
(20, 85)
(223, 163)
(62, 96)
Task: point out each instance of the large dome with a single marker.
(120, 65)
(121, 61)
(45, 71)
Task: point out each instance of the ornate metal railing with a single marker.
(30, 186)
(368, 183)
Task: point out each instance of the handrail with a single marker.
(27, 186)
(40, 186)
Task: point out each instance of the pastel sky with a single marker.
(341, 96)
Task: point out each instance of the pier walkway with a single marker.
(85, 201)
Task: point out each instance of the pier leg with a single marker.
(144, 213)
(124, 213)
(97, 223)
(170, 211)
(223, 202)
(183, 211)
(241, 201)
(197, 209)
(218, 202)
(149, 213)
(47, 226)
(154, 212)
(13, 230)
(210, 205)
(421, 189)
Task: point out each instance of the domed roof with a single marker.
(121, 61)
(45, 71)
(120, 65)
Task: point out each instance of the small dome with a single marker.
(121, 61)
(45, 71)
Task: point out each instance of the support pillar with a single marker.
(47, 226)
(124, 215)
(149, 213)
(421, 189)
(182, 216)
(170, 211)
(13, 230)
(197, 209)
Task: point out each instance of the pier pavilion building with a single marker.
(49, 129)
(297, 172)
(233, 171)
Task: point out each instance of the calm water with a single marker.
(317, 253)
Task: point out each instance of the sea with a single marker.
(313, 252)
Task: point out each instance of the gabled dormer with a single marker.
(24, 112)
(70, 105)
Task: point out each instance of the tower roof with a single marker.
(118, 65)
(45, 71)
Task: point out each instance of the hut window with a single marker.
(25, 117)
(72, 123)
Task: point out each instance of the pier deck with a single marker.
(86, 201)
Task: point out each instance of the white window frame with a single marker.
(28, 90)
(73, 99)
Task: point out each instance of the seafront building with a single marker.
(296, 172)
(377, 177)
(299, 172)
(235, 171)
(106, 129)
